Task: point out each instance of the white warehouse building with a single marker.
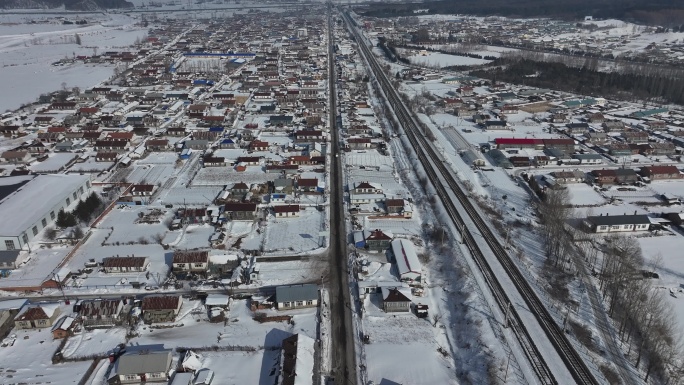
(30, 203)
(406, 259)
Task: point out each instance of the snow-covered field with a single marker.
(435, 59)
(90, 165)
(193, 330)
(54, 163)
(127, 228)
(96, 341)
(581, 194)
(195, 237)
(406, 337)
(295, 235)
(27, 51)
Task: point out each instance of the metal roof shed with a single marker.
(294, 293)
(405, 257)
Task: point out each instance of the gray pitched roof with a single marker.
(610, 220)
(296, 293)
(144, 361)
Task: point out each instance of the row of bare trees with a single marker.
(642, 317)
(554, 211)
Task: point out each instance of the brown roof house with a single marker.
(16, 157)
(106, 157)
(398, 206)
(286, 211)
(161, 308)
(101, 312)
(157, 145)
(190, 262)
(143, 189)
(37, 316)
(125, 264)
(240, 211)
(376, 240)
(661, 172)
(394, 300)
(64, 327)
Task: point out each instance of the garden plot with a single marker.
(294, 235)
(673, 187)
(231, 154)
(197, 195)
(289, 272)
(29, 361)
(582, 194)
(97, 341)
(192, 328)
(279, 139)
(633, 194)
(156, 173)
(253, 241)
(195, 237)
(220, 176)
(395, 226)
(311, 199)
(369, 158)
(395, 342)
(168, 158)
(90, 165)
(238, 230)
(243, 367)
(128, 224)
(54, 163)
(28, 50)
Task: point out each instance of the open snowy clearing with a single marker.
(406, 337)
(191, 328)
(28, 50)
(295, 235)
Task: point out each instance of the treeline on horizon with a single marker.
(72, 5)
(667, 13)
(653, 83)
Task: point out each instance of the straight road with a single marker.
(343, 353)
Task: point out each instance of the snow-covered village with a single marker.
(196, 193)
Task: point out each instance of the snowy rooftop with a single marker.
(405, 256)
(40, 195)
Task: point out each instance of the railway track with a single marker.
(444, 183)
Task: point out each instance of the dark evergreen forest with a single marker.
(650, 83)
(667, 13)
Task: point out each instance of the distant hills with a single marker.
(72, 5)
(652, 12)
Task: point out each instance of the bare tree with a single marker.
(554, 212)
(436, 317)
